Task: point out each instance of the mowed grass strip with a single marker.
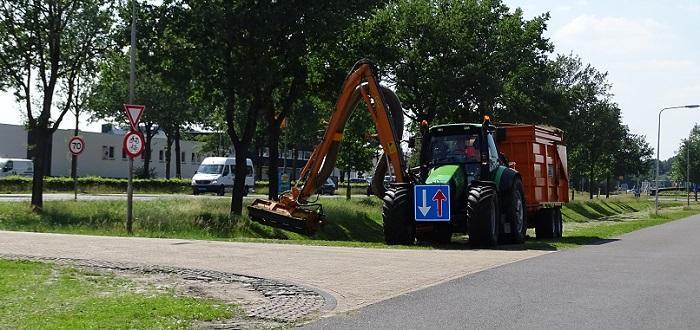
(355, 223)
(37, 295)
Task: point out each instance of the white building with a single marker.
(103, 155)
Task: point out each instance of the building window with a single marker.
(307, 154)
(105, 152)
(111, 152)
(194, 158)
(160, 155)
(182, 158)
(123, 153)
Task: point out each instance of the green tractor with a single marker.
(462, 185)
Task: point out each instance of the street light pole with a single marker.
(658, 145)
(687, 169)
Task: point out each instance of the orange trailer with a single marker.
(539, 155)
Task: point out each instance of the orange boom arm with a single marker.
(290, 212)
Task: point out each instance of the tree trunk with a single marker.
(241, 152)
(168, 153)
(347, 184)
(39, 147)
(273, 135)
(607, 186)
(178, 154)
(295, 155)
(146, 171)
(590, 185)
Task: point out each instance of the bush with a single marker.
(95, 184)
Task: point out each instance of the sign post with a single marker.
(133, 146)
(76, 146)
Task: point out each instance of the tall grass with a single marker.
(356, 222)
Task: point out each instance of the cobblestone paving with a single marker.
(286, 303)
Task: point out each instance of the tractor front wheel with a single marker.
(482, 208)
(399, 227)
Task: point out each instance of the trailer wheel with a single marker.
(546, 223)
(559, 222)
(399, 227)
(483, 215)
(516, 214)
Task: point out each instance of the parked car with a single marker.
(328, 187)
(358, 180)
(216, 174)
(16, 166)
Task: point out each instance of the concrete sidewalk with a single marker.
(355, 277)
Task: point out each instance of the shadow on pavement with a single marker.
(530, 244)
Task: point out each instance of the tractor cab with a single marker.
(466, 148)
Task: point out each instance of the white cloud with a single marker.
(612, 35)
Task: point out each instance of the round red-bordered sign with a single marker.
(133, 144)
(76, 145)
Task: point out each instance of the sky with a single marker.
(650, 50)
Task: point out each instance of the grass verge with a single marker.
(354, 223)
(39, 295)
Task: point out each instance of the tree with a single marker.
(454, 61)
(46, 46)
(355, 152)
(231, 80)
(679, 165)
(164, 75)
(634, 158)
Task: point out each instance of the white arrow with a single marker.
(425, 208)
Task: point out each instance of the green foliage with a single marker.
(97, 184)
(680, 160)
(37, 295)
(454, 60)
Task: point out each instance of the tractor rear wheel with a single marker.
(399, 227)
(516, 215)
(482, 209)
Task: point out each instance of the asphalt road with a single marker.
(649, 279)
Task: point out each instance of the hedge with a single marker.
(94, 184)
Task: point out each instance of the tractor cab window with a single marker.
(493, 152)
(457, 148)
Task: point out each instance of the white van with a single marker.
(215, 174)
(16, 166)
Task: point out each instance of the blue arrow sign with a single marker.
(432, 202)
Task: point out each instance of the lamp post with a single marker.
(658, 145)
(687, 169)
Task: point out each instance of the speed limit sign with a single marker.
(133, 144)
(76, 145)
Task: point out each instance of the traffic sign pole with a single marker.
(132, 83)
(76, 146)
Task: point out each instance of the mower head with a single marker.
(287, 214)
